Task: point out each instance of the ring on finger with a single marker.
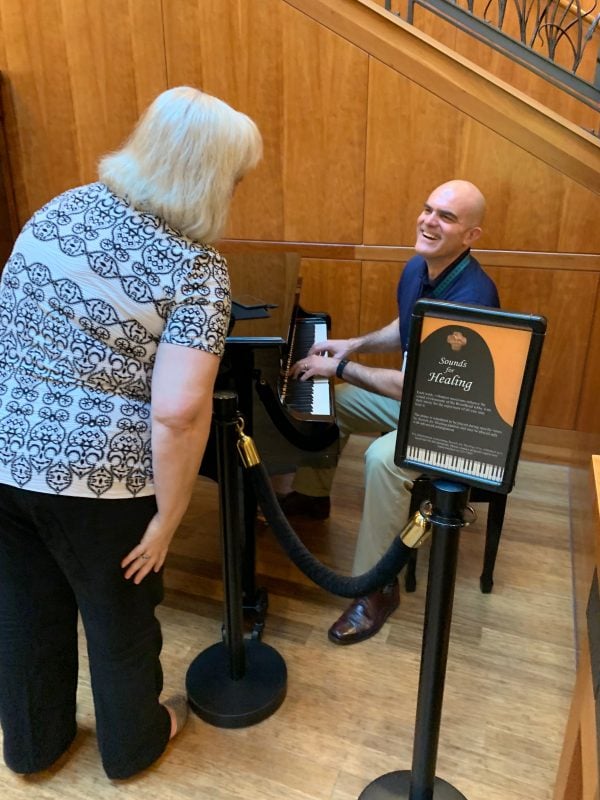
(145, 556)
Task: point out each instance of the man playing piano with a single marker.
(369, 400)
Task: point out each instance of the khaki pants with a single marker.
(387, 500)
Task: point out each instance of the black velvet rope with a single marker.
(381, 574)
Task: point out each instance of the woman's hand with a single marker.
(149, 555)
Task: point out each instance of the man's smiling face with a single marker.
(447, 225)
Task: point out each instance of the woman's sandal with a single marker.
(178, 709)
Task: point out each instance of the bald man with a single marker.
(369, 400)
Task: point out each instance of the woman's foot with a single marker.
(178, 708)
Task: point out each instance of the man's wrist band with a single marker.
(339, 372)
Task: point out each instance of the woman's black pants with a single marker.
(60, 556)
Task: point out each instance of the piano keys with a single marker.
(310, 399)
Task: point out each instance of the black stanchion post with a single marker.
(255, 599)
(420, 783)
(234, 683)
(225, 416)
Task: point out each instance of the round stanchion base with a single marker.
(226, 703)
(396, 786)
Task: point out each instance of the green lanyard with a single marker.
(451, 277)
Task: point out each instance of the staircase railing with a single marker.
(557, 39)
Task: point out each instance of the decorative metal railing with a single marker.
(558, 39)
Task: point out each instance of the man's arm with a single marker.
(383, 340)
(387, 382)
(182, 392)
(324, 357)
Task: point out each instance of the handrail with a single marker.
(554, 21)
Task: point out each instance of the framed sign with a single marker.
(468, 382)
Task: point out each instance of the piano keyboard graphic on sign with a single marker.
(466, 466)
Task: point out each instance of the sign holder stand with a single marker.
(421, 783)
(437, 410)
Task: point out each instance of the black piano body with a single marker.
(270, 331)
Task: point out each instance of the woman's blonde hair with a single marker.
(183, 159)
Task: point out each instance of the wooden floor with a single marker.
(349, 712)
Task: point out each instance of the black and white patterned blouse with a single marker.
(91, 288)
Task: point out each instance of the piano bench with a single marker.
(496, 509)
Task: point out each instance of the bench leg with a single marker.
(496, 510)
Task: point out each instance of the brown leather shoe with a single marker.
(295, 504)
(365, 616)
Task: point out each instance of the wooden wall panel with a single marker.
(325, 132)
(77, 76)
(334, 287)
(588, 415)
(116, 68)
(456, 81)
(233, 49)
(578, 216)
(515, 218)
(411, 148)
(359, 297)
(379, 306)
(266, 59)
(416, 141)
(8, 217)
(567, 300)
(40, 130)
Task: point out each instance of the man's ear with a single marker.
(472, 235)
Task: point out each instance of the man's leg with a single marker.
(357, 411)
(386, 504)
(385, 510)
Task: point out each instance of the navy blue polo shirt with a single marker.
(471, 286)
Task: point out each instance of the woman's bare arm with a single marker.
(182, 394)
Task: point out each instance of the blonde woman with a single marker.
(113, 314)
